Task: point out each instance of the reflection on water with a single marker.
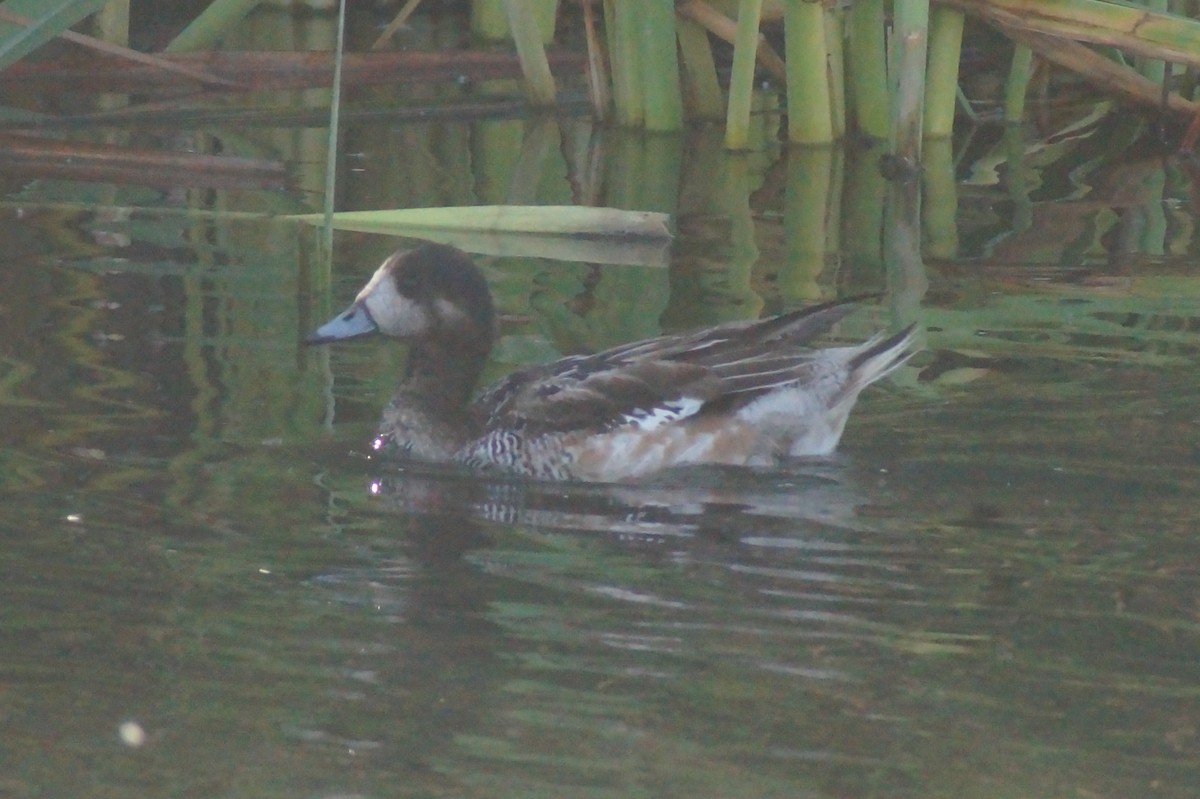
(991, 590)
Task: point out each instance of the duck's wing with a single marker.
(585, 397)
(732, 340)
(662, 379)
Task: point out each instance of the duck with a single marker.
(743, 393)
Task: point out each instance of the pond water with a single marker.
(209, 589)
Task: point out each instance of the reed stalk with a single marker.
(725, 28)
(806, 221)
(908, 62)
(659, 65)
(940, 201)
(705, 99)
(867, 68)
(741, 81)
(621, 22)
(738, 186)
(862, 215)
(941, 89)
(810, 115)
(835, 38)
(331, 153)
(1017, 83)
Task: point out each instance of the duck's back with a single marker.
(742, 393)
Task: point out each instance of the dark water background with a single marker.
(991, 590)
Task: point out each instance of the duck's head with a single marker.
(433, 291)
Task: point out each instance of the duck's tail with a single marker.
(879, 356)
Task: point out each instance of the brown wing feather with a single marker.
(598, 400)
(593, 392)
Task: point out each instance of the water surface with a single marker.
(991, 590)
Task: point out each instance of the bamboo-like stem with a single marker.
(808, 104)
(741, 81)
(940, 202)
(331, 153)
(908, 60)
(807, 209)
(941, 89)
(1018, 82)
(705, 97)
(532, 53)
(868, 68)
(906, 279)
(659, 66)
(835, 27)
(725, 28)
(862, 213)
(739, 183)
(621, 21)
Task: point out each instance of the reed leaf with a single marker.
(1136, 30)
(557, 220)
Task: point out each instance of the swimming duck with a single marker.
(744, 392)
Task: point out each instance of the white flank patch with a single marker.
(787, 407)
(655, 418)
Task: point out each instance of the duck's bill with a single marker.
(355, 321)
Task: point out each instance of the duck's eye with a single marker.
(407, 284)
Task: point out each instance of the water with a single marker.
(991, 590)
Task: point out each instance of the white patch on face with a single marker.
(393, 313)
